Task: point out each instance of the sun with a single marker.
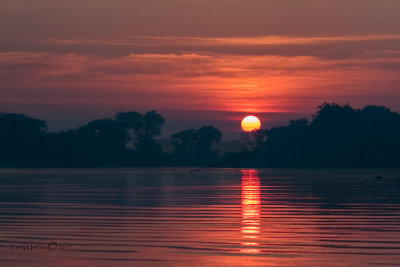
(251, 123)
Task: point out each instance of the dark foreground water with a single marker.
(207, 217)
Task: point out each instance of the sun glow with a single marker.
(251, 123)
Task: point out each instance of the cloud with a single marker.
(227, 56)
(263, 75)
(231, 78)
(329, 47)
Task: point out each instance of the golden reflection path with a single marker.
(251, 211)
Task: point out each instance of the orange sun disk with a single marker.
(251, 123)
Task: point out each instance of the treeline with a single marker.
(338, 136)
(127, 140)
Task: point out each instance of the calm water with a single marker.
(207, 217)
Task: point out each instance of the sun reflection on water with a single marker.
(251, 211)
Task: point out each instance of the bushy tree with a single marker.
(22, 140)
(196, 147)
(126, 140)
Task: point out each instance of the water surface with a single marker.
(200, 217)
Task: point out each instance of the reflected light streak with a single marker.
(251, 211)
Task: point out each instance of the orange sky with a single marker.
(197, 62)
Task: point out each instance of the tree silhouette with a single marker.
(126, 140)
(140, 128)
(197, 147)
(251, 140)
(139, 131)
(338, 136)
(101, 142)
(185, 142)
(21, 140)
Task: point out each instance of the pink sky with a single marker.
(197, 62)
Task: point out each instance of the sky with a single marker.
(197, 62)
